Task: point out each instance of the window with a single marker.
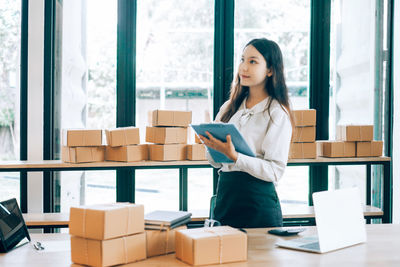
(288, 24)
(10, 40)
(88, 91)
(175, 46)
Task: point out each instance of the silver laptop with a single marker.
(340, 222)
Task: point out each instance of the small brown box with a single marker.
(336, 149)
(127, 153)
(303, 151)
(306, 117)
(161, 242)
(211, 245)
(196, 152)
(81, 137)
(369, 149)
(171, 118)
(354, 132)
(123, 136)
(166, 135)
(101, 222)
(303, 134)
(110, 252)
(167, 152)
(82, 154)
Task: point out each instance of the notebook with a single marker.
(340, 222)
(162, 219)
(220, 131)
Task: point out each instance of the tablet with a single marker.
(220, 131)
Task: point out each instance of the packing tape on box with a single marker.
(125, 249)
(128, 221)
(209, 229)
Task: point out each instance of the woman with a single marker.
(259, 107)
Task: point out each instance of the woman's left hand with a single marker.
(224, 147)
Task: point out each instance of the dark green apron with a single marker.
(244, 201)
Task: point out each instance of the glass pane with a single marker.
(87, 58)
(352, 81)
(288, 24)
(174, 58)
(157, 189)
(10, 40)
(200, 190)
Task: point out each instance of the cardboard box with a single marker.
(123, 136)
(196, 152)
(303, 134)
(211, 245)
(171, 118)
(127, 153)
(107, 221)
(336, 149)
(82, 154)
(305, 117)
(167, 152)
(369, 149)
(161, 242)
(73, 137)
(110, 252)
(354, 132)
(303, 151)
(166, 135)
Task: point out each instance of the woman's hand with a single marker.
(224, 147)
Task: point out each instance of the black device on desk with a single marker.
(12, 225)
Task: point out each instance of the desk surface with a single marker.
(381, 249)
(58, 164)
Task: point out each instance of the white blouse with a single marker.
(269, 138)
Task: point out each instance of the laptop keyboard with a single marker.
(313, 246)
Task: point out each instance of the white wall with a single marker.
(396, 112)
(35, 102)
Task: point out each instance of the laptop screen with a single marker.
(10, 218)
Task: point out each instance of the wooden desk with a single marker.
(381, 249)
(183, 166)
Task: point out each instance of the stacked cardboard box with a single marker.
(168, 134)
(303, 144)
(351, 141)
(124, 145)
(106, 235)
(80, 146)
(211, 245)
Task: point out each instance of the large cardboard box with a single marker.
(369, 149)
(110, 252)
(196, 152)
(336, 149)
(303, 134)
(305, 117)
(303, 151)
(211, 245)
(123, 136)
(82, 154)
(167, 152)
(166, 135)
(107, 221)
(354, 132)
(161, 242)
(80, 137)
(171, 118)
(127, 153)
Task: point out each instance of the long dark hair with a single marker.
(275, 86)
